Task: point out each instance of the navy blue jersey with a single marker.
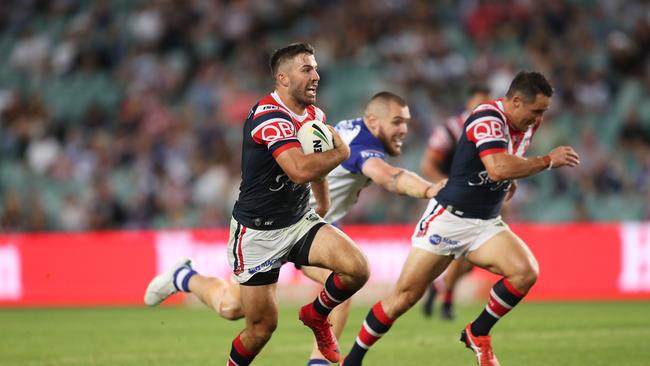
(268, 199)
(469, 189)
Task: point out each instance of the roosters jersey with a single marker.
(268, 199)
(444, 138)
(347, 180)
(469, 189)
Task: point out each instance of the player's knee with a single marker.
(262, 331)
(359, 270)
(353, 270)
(231, 311)
(525, 275)
(530, 276)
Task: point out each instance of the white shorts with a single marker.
(444, 233)
(252, 252)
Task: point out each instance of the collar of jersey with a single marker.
(298, 117)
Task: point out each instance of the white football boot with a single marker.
(162, 286)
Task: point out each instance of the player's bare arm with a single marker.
(502, 166)
(321, 193)
(398, 180)
(302, 168)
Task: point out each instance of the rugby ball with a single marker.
(315, 137)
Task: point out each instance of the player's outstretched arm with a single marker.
(501, 166)
(320, 188)
(399, 180)
(302, 168)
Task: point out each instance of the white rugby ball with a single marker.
(315, 137)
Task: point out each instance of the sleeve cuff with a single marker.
(491, 151)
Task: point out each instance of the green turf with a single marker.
(534, 334)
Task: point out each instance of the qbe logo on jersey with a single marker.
(278, 130)
(488, 130)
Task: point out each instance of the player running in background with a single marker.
(435, 165)
(378, 133)
(463, 219)
(272, 222)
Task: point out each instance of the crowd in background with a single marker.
(128, 114)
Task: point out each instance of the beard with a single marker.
(301, 97)
(385, 140)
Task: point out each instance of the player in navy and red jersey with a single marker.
(436, 164)
(463, 219)
(272, 222)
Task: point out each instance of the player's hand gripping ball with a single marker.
(315, 137)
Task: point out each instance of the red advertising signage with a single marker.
(577, 262)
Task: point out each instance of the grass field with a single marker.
(533, 334)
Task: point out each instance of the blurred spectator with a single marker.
(128, 114)
(106, 212)
(73, 215)
(13, 218)
(633, 135)
(30, 52)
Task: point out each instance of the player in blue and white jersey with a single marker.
(272, 222)
(463, 219)
(373, 137)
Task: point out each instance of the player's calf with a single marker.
(401, 299)
(503, 297)
(376, 324)
(252, 339)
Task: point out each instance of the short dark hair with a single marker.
(387, 96)
(528, 84)
(288, 52)
(478, 89)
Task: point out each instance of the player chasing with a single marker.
(463, 218)
(272, 222)
(378, 133)
(435, 165)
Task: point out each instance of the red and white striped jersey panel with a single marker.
(273, 122)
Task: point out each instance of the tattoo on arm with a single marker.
(393, 180)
